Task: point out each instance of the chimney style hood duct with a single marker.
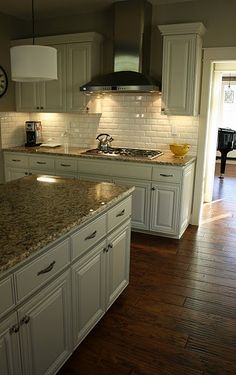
(132, 47)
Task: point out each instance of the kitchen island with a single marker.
(64, 247)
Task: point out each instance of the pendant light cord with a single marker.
(33, 32)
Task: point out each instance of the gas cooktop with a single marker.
(123, 151)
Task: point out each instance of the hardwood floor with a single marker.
(178, 314)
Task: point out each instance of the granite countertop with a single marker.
(166, 159)
(34, 213)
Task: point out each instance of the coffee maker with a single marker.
(33, 131)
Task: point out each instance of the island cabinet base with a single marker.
(40, 328)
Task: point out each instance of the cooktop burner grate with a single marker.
(128, 152)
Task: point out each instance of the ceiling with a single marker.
(56, 8)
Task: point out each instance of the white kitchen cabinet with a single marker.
(88, 292)
(146, 213)
(118, 255)
(61, 293)
(44, 96)
(79, 60)
(181, 72)
(140, 202)
(164, 208)
(46, 328)
(9, 346)
(80, 70)
(18, 165)
(102, 274)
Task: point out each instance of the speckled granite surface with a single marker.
(167, 159)
(34, 213)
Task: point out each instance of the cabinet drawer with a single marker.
(41, 163)
(88, 236)
(6, 295)
(166, 174)
(32, 276)
(119, 213)
(16, 160)
(67, 165)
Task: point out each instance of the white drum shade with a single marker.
(32, 63)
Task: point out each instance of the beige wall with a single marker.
(217, 15)
(9, 29)
(101, 22)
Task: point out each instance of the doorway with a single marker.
(209, 107)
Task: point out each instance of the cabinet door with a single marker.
(140, 202)
(27, 96)
(78, 73)
(164, 208)
(45, 328)
(117, 263)
(88, 291)
(14, 173)
(180, 68)
(9, 346)
(52, 93)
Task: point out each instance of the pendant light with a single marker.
(33, 63)
(229, 93)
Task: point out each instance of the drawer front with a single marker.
(119, 213)
(16, 160)
(32, 276)
(66, 165)
(41, 163)
(88, 236)
(115, 168)
(167, 174)
(6, 295)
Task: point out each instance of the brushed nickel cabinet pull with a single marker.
(92, 235)
(41, 162)
(47, 269)
(14, 329)
(25, 320)
(65, 165)
(121, 213)
(166, 175)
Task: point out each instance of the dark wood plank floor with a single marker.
(178, 315)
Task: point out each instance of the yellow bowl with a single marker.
(179, 150)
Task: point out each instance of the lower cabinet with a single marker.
(102, 275)
(88, 280)
(45, 328)
(164, 208)
(10, 362)
(50, 311)
(140, 202)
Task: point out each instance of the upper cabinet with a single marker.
(181, 72)
(79, 60)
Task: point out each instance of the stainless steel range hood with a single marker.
(132, 44)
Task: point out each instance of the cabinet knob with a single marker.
(41, 107)
(110, 246)
(25, 320)
(30, 173)
(26, 173)
(153, 188)
(37, 107)
(105, 250)
(14, 329)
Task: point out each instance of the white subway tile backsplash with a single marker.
(133, 121)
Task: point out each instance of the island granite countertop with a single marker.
(166, 159)
(34, 212)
